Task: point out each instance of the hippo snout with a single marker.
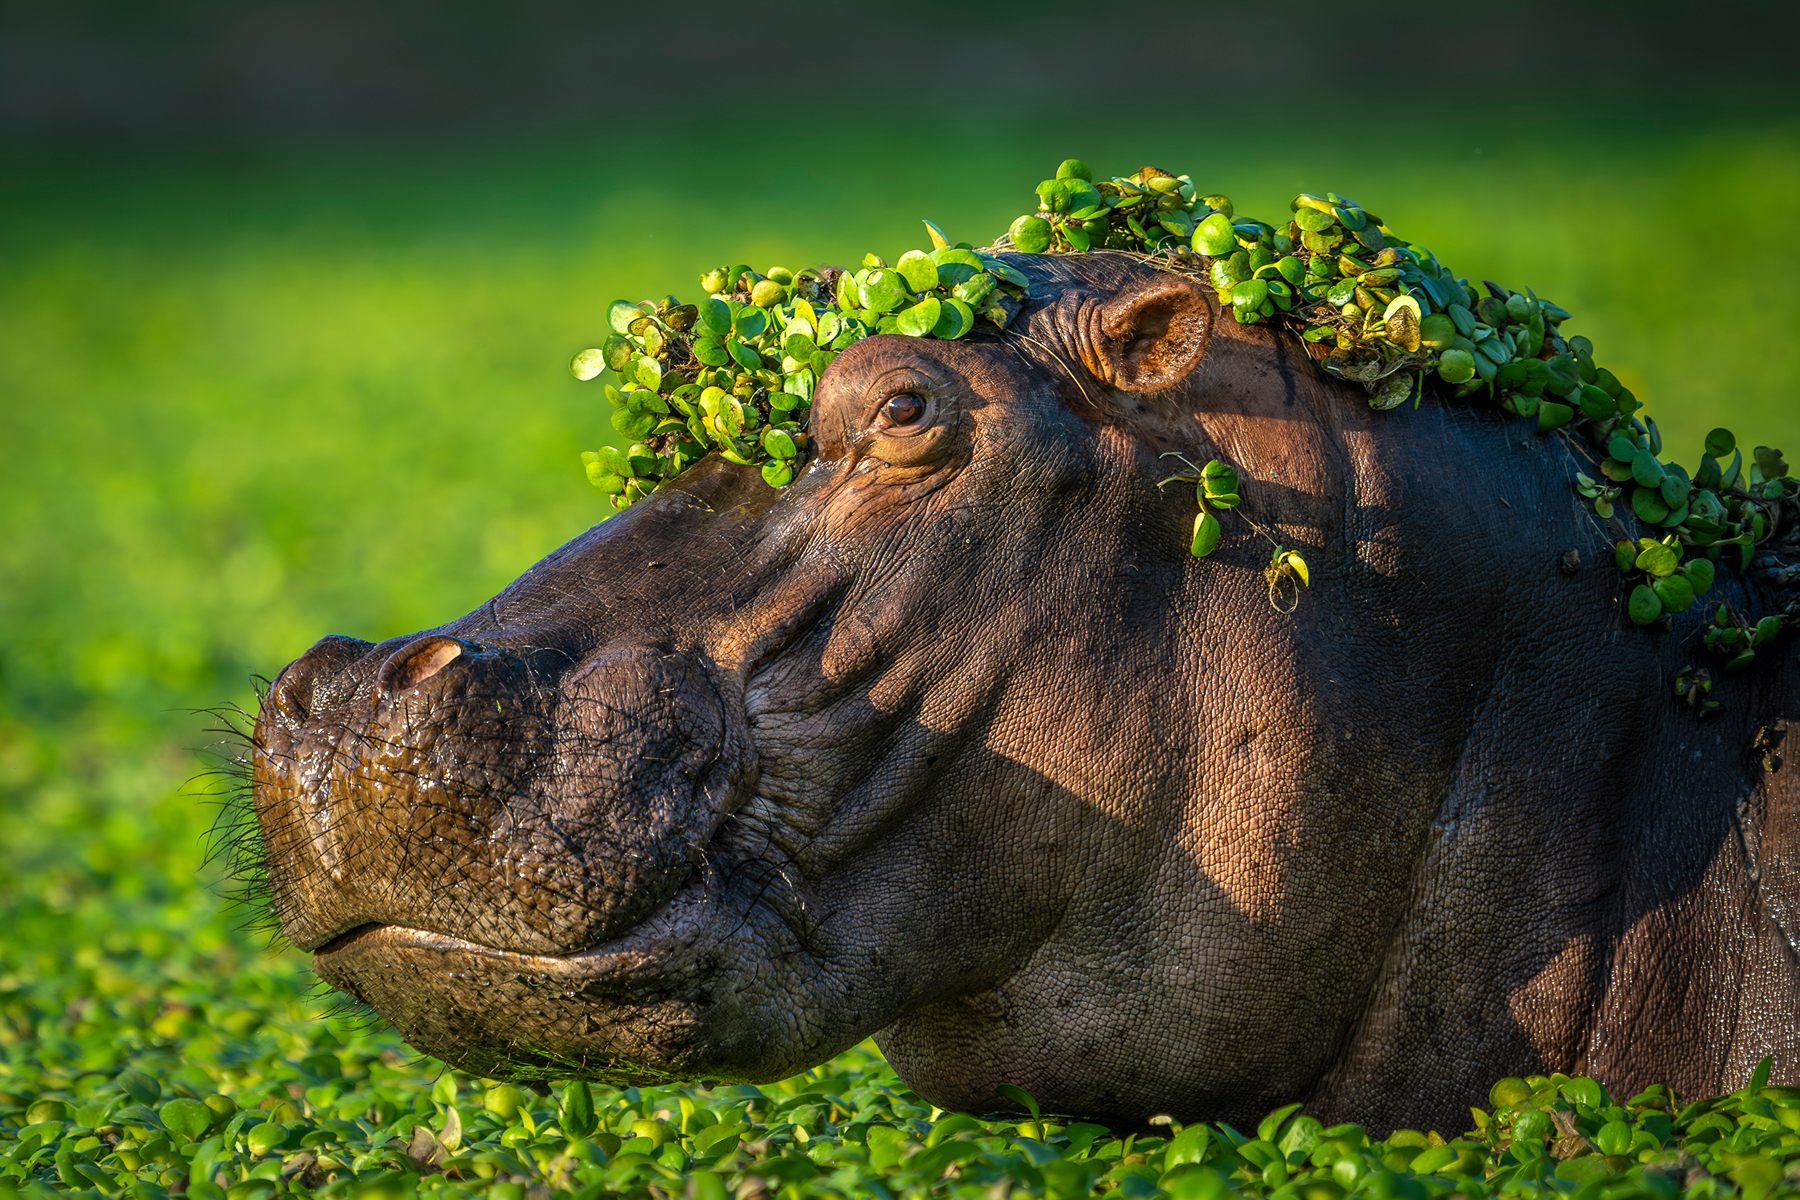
(462, 788)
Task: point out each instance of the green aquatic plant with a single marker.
(735, 374)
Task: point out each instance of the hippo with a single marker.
(952, 743)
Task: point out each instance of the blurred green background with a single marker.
(285, 315)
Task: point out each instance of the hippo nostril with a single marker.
(295, 692)
(415, 662)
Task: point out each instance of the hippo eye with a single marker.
(903, 408)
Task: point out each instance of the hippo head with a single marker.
(949, 741)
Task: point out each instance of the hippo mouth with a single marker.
(631, 1009)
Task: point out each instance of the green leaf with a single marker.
(715, 316)
(1270, 1126)
(587, 364)
(1676, 594)
(711, 351)
(746, 356)
(956, 265)
(1456, 366)
(1019, 1098)
(920, 319)
(620, 314)
(186, 1119)
(1649, 505)
(917, 269)
(1214, 236)
(1644, 606)
(750, 322)
(576, 1113)
(1658, 559)
(1720, 442)
(1700, 575)
(778, 443)
(955, 319)
(882, 290)
(1030, 234)
(1553, 415)
(1646, 470)
(1207, 532)
(778, 473)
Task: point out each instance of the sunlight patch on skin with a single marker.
(1541, 1008)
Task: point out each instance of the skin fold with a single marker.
(951, 742)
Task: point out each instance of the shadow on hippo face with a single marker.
(950, 741)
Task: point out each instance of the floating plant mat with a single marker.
(734, 373)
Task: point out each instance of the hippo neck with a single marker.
(1657, 901)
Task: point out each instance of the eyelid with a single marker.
(893, 384)
(925, 420)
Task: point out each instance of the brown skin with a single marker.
(951, 742)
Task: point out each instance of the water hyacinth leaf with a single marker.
(1596, 405)
(1646, 469)
(1720, 442)
(975, 291)
(882, 290)
(711, 352)
(1644, 605)
(778, 473)
(1030, 234)
(1456, 366)
(750, 322)
(938, 238)
(588, 364)
(919, 319)
(1218, 477)
(955, 320)
(1658, 559)
(1207, 532)
(745, 354)
(1675, 593)
(620, 314)
(1394, 391)
(917, 269)
(956, 265)
(1214, 236)
(1553, 415)
(1311, 220)
(1436, 330)
(715, 316)
(1291, 562)
(1649, 505)
(1700, 574)
(778, 443)
(1004, 271)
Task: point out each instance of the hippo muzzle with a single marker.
(462, 830)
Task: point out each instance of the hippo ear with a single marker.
(1152, 335)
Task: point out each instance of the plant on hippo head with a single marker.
(735, 374)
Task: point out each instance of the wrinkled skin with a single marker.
(951, 742)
